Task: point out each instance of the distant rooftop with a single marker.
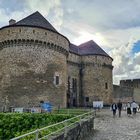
(73, 48)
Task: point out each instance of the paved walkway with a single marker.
(109, 128)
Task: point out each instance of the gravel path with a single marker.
(109, 128)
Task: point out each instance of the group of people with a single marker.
(131, 107)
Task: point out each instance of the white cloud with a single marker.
(47, 6)
(125, 62)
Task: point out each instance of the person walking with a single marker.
(134, 107)
(128, 109)
(114, 108)
(119, 106)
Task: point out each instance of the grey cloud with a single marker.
(12, 6)
(106, 14)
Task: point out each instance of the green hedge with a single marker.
(14, 124)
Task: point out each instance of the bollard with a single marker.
(80, 120)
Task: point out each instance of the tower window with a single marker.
(106, 86)
(57, 80)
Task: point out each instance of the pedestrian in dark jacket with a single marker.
(128, 109)
(114, 108)
(119, 106)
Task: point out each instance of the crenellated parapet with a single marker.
(35, 36)
(33, 43)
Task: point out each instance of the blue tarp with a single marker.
(46, 106)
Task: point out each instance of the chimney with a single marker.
(12, 21)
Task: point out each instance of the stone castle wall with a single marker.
(74, 58)
(29, 62)
(74, 62)
(134, 83)
(73, 73)
(97, 79)
(123, 93)
(36, 34)
(132, 86)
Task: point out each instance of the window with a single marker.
(87, 99)
(106, 86)
(57, 80)
(68, 84)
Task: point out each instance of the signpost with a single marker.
(97, 104)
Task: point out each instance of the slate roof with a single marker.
(36, 20)
(91, 48)
(73, 48)
(88, 48)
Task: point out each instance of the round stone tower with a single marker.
(96, 74)
(32, 63)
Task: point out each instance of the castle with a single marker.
(37, 64)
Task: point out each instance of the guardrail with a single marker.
(43, 133)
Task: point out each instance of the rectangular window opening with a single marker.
(106, 86)
(57, 80)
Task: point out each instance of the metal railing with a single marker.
(61, 126)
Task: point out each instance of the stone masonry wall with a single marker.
(73, 72)
(97, 79)
(97, 59)
(74, 58)
(125, 94)
(27, 76)
(27, 33)
(28, 69)
(73, 64)
(77, 132)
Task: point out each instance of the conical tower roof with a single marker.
(35, 20)
(91, 48)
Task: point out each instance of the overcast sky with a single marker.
(113, 24)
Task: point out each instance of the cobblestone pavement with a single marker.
(109, 128)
